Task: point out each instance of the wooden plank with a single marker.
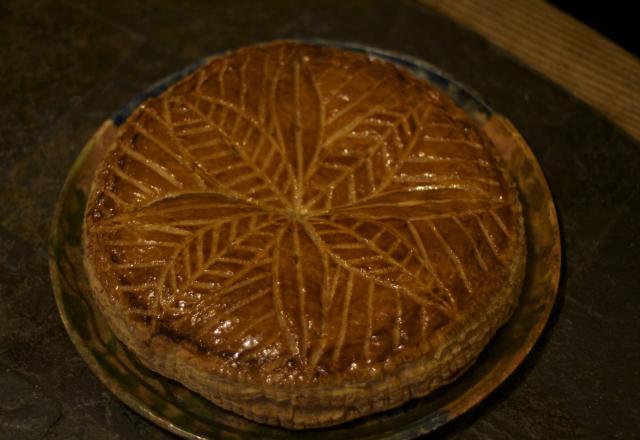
(564, 49)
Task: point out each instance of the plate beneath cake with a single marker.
(184, 412)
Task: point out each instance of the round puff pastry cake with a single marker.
(304, 235)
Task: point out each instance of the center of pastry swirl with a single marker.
(299, 214)
(274, 204)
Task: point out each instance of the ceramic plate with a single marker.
(185, 413)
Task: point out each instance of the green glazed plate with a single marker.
(173, 407)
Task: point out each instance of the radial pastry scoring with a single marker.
(304, 235)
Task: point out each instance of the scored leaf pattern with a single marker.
(297, 207)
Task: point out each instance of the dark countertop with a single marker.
(65, 67)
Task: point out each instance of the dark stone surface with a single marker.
(67, 65)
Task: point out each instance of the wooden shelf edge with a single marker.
(562, 48)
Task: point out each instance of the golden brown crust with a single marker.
(304, 235)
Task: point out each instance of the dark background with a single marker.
(66, 65)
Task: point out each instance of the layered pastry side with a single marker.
(304, 235)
